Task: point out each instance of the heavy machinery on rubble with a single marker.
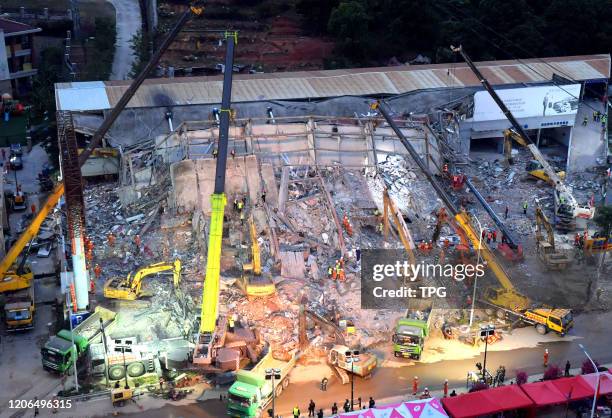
(130, 287)
(533, 167)
(546, 249)
(390, 210)
(505, 299)
(10, 278)
(18, 296)
(567, 208)
(254, 284)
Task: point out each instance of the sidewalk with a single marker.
(436, 392)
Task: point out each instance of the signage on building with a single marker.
(528, 102)
(4, 68)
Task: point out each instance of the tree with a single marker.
(50, 70)
(603, 219)
(316, 14)
(587, 366)
(552, 372)
(521, 378)
(349, 23)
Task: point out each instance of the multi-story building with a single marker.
(17, 59)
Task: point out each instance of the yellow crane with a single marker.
(506, 298)
(130, 288)
(211, 334)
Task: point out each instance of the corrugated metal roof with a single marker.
(332, 83)
(87, 95)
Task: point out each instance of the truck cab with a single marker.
(59, 354)
(410, 334)
(248, 395)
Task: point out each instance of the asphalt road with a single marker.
(128, 20)
(390, 382)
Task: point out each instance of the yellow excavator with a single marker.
(545, 246)
(130, 287)
(390, 210)
(506, 299)
(534, 167)
(255, 285)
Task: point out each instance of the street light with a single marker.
(597, 383)
(122, 349)
(475, 276)
(273, 374)
(485, 332)
(352, 357)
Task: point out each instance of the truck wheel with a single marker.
(278, 390)
(116, 372)
(285, 382)
(501, 314)
(395, 354)
(136, 369)
(541, 329)
(489, 311)
(417, 357)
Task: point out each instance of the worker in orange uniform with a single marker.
(111, 239)
(92, 285)
(89, 256)
(341, 276)
(334, 274)
(415, 385)
(546, 358)
(89, 244)
(33, 208)
(97, 271)
(445, 388)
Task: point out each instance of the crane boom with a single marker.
(462, 218)
(566, 206)
(32, 230)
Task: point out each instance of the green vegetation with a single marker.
(100, 50)
(50, 69)
(369, 32)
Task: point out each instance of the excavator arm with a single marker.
(135, 282)
(15, 282)
(542, 223)
(391, 210)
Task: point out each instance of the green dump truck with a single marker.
(411, 332)
(59, 353)
(251, 392)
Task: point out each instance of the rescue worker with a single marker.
(484, 234)
(445, 169)
(338, 270)
(380, 228)
(33, 208)
(341, 276)
(425, 394)
(489, 237)
(215, 153)
(311, 408)
(111, 239)
(241, 218)
(346, 406)
(445, 388)
(371, 403)
(233, 153)
(97, 271)
(494, 236)
(415, 385)
(296, 412)
(240, 205)
(506, 212)
(235, 204)
(231, 324)
(137, 241)
(263, 196)
(334, 409)
(92, 286)
(546, 358)
(334, 272)
(320, 413)
(89, 245)
(330, 272)
(585, 121)
(577, 240)
(525, 206)
(595, 113)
